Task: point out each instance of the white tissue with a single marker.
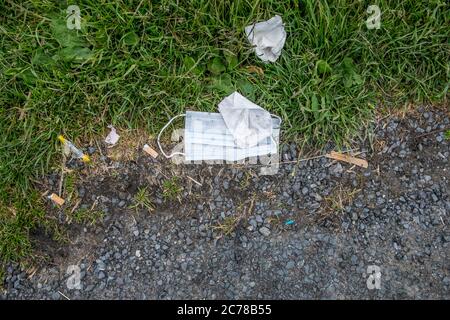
(268, 37)
(247, 122)
(112, 137)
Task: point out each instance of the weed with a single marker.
(447, 135)
(2, 278)
(87, 216)
(336, 203)
(171, 188)
(70, 192)
(228, 225)
(340, 198)
(141, 200)
(246, 180)
(59, 233)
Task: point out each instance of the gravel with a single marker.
(264, 231)
(393, 215)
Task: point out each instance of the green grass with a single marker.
(86, 216)
(138, 63)
(141, 200)
(227, 226)
(171, 188)
(447, 135)
(17, 218)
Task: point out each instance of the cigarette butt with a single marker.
(150, 151)
(56, 199)
(346, 158)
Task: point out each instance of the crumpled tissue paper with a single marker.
(268, 37)
(247, 122)
(112, 137)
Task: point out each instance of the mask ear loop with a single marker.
(159, 136)
(279, 124)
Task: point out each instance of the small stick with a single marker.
(32, 273)
(431, 132)
(160, 171)
(195, 181)
(296, 161)
(190, 188)
(99, 149)
(75, 206)
(346, 158)
(250, 209)
(63, 295)
(94, 204)
(62, 174)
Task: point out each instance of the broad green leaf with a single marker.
(223, 83)
(101, 37)
(349, 74)
(41, 59)
(232, 61)
(12, 71)
(246, 88)
(189, 64)
(447, 135)
(28, 77)
(131, 39)
(348, 65)
(322, 67)
(357, 79)
(65, 36)
(77, 54)
(215, 66)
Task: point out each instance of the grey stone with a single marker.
(264, 231)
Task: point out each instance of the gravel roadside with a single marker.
(309, 232)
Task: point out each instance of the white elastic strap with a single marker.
(275, 116)
(159, 136)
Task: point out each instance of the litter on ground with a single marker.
(70, 148)
(346, 158)
(112, 137)
(247, 122)
(56, 199)
(241, 130)
(150, 151)
(268, 37)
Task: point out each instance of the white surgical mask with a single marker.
(207, 137)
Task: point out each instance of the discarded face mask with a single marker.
(268, 37)
(248, 123)
(207, 137)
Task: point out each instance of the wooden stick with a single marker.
(66, 297)
(194, 181)
(346, 158)
(63, 166)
